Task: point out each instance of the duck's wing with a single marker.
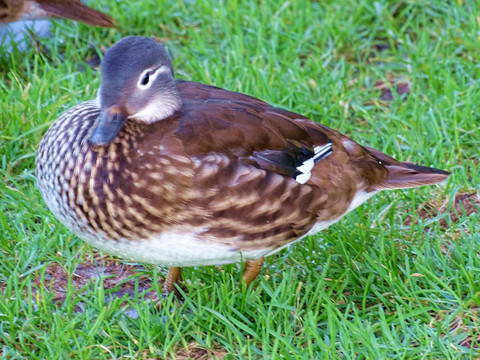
(214, 120)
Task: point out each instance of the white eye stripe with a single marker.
(151, 76)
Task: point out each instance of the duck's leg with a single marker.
(251, 270)
(174, 276)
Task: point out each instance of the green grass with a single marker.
(374, 286)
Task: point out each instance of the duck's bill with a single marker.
(109, 124)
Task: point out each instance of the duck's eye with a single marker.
(145, 79)
(149, 76)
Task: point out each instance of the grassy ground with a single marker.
(399, 278)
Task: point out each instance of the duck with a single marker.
(15, 10)
(178, 173)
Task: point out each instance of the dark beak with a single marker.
(109, 123)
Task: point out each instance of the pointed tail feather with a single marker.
(78, 12)
(404, 175)
(407, 175)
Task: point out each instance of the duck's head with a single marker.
(137, 83)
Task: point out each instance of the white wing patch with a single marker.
(320, 152)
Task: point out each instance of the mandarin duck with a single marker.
(178, 173)
(15, 10)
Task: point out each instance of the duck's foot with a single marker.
(251, 270)
(174, 278)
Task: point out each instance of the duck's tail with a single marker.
(78, 12)
(404, 175)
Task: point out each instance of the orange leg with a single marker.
(174, 276)
(252, 268)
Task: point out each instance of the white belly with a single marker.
(175, 250)
(184, 249)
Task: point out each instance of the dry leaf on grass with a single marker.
(464, 204)
(114, 274)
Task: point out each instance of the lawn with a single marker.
(399, 278)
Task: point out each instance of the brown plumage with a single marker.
(181, 173)
(14, 10)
